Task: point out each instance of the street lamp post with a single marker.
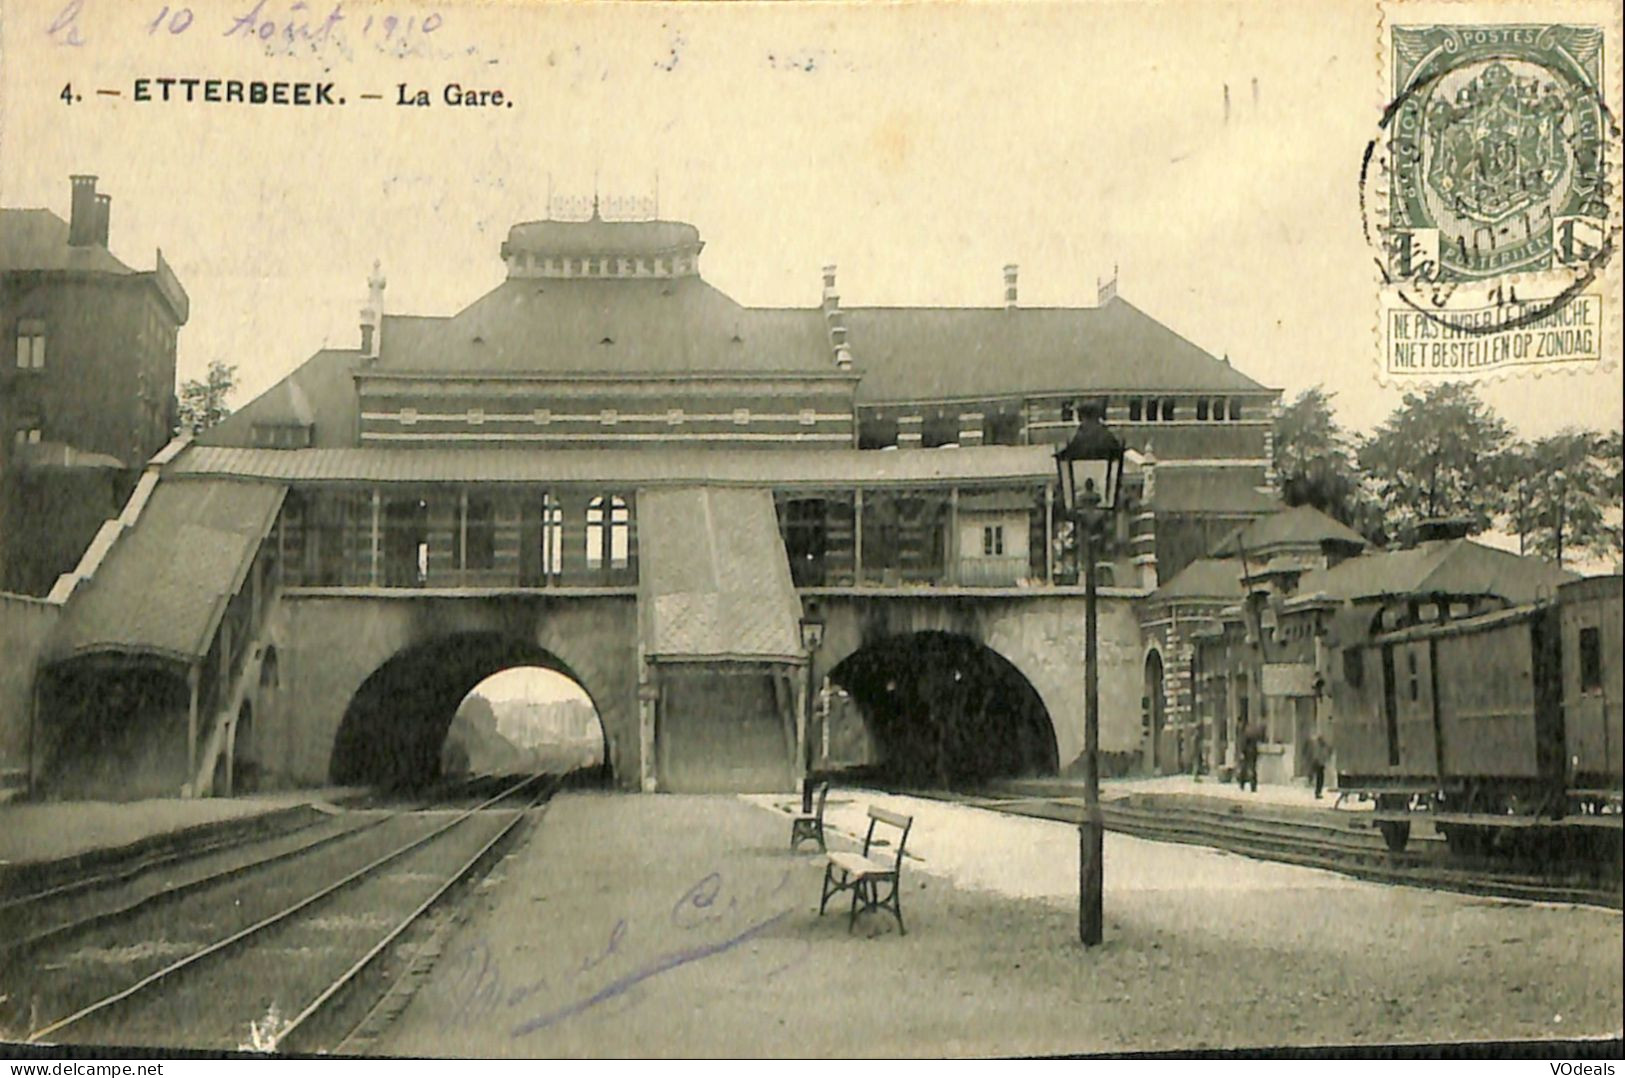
(812, 635)
(1089, 468)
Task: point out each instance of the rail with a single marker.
(541, 786)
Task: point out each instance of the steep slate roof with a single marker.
(320, 391)
(614, 325)
(1204, 578)
(714, 577)
(1301, 525)
(164, 585)
(625, 467)
(927, 353)
(38, 240)
(1452, 567)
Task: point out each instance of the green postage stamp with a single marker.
(1491, 190)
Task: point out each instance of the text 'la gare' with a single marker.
(455, 93)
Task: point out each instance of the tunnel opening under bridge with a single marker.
(941, 710)
(464, 704)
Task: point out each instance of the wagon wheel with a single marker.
(1396, 833)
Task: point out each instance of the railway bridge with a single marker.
(236, 628)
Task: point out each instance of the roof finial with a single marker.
(1107, 290)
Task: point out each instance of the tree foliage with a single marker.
(1438, 455)
(203, 403)
(1314, 458)
(1562, 493)
(1612, 545)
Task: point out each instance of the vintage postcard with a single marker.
(582, 530)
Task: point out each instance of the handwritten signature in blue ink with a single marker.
(478, 987)
(663, 964)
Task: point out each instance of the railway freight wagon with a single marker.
(1501, 723)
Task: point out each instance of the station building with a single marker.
(707, 514)
(87, 386)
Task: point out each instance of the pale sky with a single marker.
(919, 147)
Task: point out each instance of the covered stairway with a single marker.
(719, 625)
(160, 643)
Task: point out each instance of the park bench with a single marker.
(810, 825)
(864, 875)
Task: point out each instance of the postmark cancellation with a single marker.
(1491, 193)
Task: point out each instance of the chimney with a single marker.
(1010, 287)
(835, 322)
(372, 315)
(82, 212)
(104, 211)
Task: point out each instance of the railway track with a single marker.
(269, 949)
(1358, 853)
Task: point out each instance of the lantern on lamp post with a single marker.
(1089, 469)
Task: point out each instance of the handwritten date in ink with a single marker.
(271, 24)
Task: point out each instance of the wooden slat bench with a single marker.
(810, 825)
(863, 874)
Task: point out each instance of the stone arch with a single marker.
(396, 722)
(945, 709)
(331, 645)
(1154, 714)
(234, 771)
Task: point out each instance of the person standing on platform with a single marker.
(1319, 755)
(1249, 756)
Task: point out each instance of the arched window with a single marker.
(552, 536)
(609, 528)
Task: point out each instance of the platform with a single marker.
(678, 926)
(1294, 801)
(55, 837)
